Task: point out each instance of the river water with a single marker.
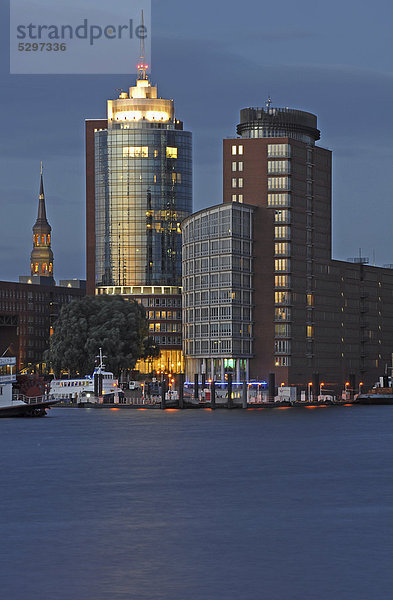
(277, 504)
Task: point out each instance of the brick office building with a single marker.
(310, 314)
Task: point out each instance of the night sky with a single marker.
(213, 57)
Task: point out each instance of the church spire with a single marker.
(42, 255)
(41, 217)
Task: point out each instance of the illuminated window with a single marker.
(171, 152)
(282, 216)
(240, 166)
(310, 331)
(283, 361)
(278, 200)
(136, 151)
(155, 153)
(279, 183)
(50, 267)
(282, 264)
(234, 150)
(48, 238)
(279, 150)
(310, 300)
(240, 150)
(36, 268)
(234, 198)
(282, 298)
(282, 249)
(279, 166)
(240, 198)
(43, 239)
(283, 233)
(241, 181)
(234, 166)
(234, 182)
(282, 314)
(154, 115)
(282, 281)
(44, 267)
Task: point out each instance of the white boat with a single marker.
(11, 406)
(83, 390)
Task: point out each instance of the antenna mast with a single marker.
(142, 67)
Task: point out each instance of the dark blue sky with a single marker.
(214, 57)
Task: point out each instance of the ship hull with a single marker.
(26, 410)
(377, 399)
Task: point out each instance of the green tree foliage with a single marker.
(117, 326)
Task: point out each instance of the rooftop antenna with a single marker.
(42, 168)
(142, 67)
(268, 102)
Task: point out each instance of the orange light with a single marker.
(310, 383)
(322, 384)
(347, 383)
(283, 384)
(361, 383)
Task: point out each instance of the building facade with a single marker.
(139, 190)
(27, 314)
(217, 291)
(310, 314)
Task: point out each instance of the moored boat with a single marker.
(19, 406)
(86, 390)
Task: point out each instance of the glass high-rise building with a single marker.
(139, 189)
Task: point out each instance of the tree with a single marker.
(116, 325)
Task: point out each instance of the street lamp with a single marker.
(321, 389)
(309, 390)
(361, 384)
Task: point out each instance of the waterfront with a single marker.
(290, 504)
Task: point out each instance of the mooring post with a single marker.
(229, 388)
(163, 394)
(272, 387)
(181, 390)
(196, 387)
(244, 394)
(213, 395)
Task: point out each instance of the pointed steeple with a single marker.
(42, 255)
(42, 221)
